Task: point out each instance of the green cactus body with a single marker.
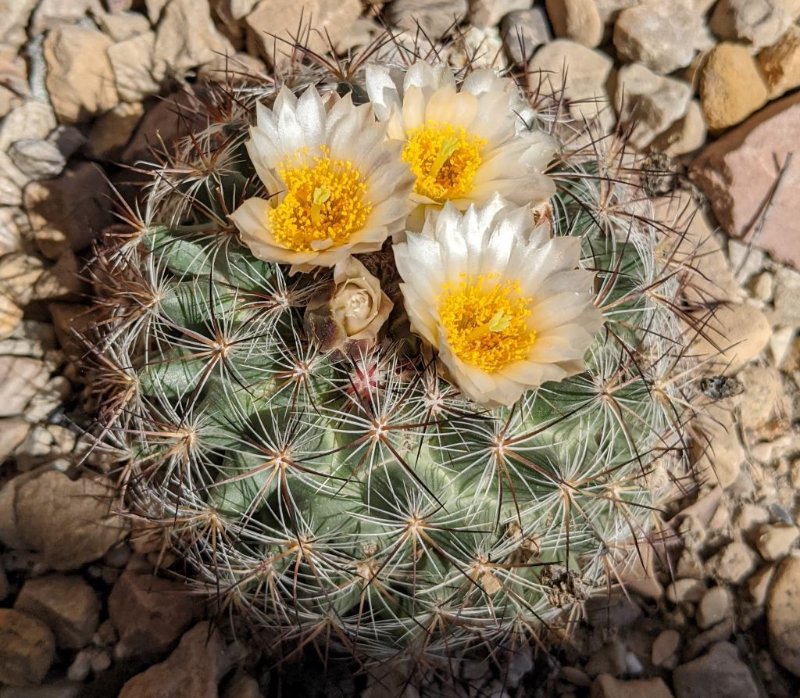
(361, 500)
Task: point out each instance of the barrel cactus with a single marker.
(395, 361)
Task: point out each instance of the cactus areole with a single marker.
(399, 371)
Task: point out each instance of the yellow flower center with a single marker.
(485, 319)
(444, 159)
(324, 203)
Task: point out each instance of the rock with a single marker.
(578, 20)
(739, 172)
(763, 399)
(13, 431)
(661, 37)
(10, 318)
(19, 274)
(200, 649)
(10, 221)
(775, 542)
(51, 14)
(686, 590)
(483, 46)
(80, 78)
(731, 86)
(488, 13)
(187, 38)
(37, 159)
(242, 686)
(780, 63)
(112, 131)
(78, 527)
(606, 686)
(734, 563)
(585, 80)
(27, 649)
(133, 66)
(665, 648)
(16, 15)
(76, 205)
(608, 659)
(649, 102)
(759, 584)
(783, 615)
(149, 612)
(123, 25)
(760, 22)
(686, 135)
(740, 330)
(523, 32)
(274, 22)
(67, 604)
(717, 451)
(714, 607)
(32, 120)
(21, 379)
(787, 288)
(718, 674)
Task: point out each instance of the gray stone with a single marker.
(434, 17)
(718, 674)
(27, 649)
(488, 13)
(21, 379)
(37, 159)
(761, 22)
(67, 604)
(523, 32)
(662, 37)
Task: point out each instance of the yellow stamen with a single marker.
(444, 159)
(324, 204)
(485, 319)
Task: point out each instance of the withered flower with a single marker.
(351, 309)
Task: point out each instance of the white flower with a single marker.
(505, 306)
(466, 145)
(336, 187)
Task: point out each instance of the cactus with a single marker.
(354, 496)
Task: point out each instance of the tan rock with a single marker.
(523, 32)
(715, 606)
(273, 24)
(686, 135)
(434, 17)
(578, 20)
(21, 380)
(734, 563)
(488, 13)
(780, 63)
(79, 527)
(731, 86)
(718, 674)
(132, 62)
(783, 615)
(665, 648)
(123, 25)
(760, 22)
(587, 72)
(27, 649)
(80, 79)
(16, 15)
(112, 131)
(739, 174)
(201, 648)
(186, 38)
(67, 604)
(10, 316)
(775, 542)
(606, 686)
(650, 103)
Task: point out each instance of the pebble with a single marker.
(775, 542)
(718, 453)
(242, 685)
(650, 103)
(80, 79)
(79, 527)
(686, 135)
(683, 590)
(608, 659)
(67, 604)
(585, 81)
(759, 22)
(523, 31)
(133, 66)
(149, 612)
(783, 615)
(27, 649)
(10, 318)
(21, 379)
(201, 649)
(780, 63)
(665, 648)
(123, 25)
(738, 179)
(763, 399)
(578, 20)
(734, 563)
(718, 674)
(606, 686)
(758, 585)
(37, 159)
(731, 86)
(786, 311)
(662, 37)
(488, 13)
(715, 606)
